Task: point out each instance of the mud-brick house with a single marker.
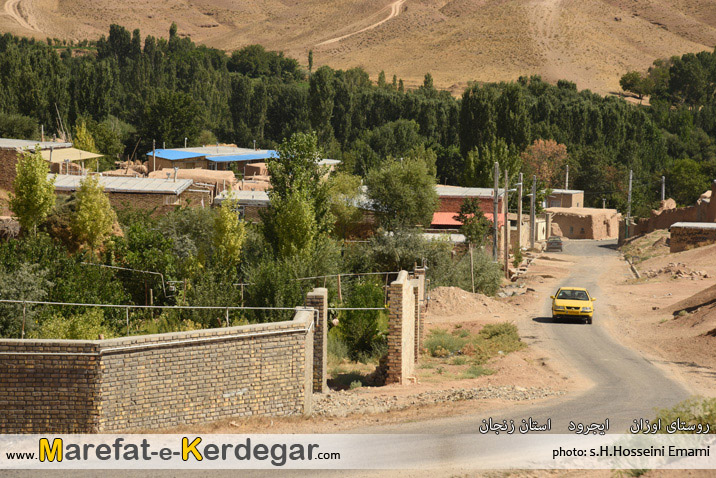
(566, 198)
(158, 195)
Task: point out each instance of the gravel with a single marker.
(348, 402)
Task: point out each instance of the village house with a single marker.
(566, 198)
(159, 195)
(218, 157)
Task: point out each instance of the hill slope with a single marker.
(591, 42)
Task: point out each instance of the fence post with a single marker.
(126, 311)
(24, 312)
(227, 316)
(318, 299)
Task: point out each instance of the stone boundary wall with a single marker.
(157, 381)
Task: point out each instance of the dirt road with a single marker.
(395, 9)
(12, 9)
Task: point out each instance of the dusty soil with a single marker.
(590, 42)
(646, 321)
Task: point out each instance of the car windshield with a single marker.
(567, 294)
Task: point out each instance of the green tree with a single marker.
(479, 164)
(83, 140)
(170, 117)
(26, 282)
(34, 195)
(229, 235)
(321, 94)
(361, 330)
(344, 195)
(475, 226)
(310, 61)
(94, 217)
(402, 192)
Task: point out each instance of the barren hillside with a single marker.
(591, 42)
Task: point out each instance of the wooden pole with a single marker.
(340, 294)
(519, 213)
(495, 212)
(472, 269)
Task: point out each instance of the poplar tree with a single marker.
(34, 195)
(94, 217)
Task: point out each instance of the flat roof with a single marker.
(9, 143)
(459, 191)
(567, 191)
(120, 184)
(695, 225)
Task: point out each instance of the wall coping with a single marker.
(302, 322)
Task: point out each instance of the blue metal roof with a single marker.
(174, 155)
(243, 157)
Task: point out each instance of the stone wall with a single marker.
(687, 236)
(158, 381)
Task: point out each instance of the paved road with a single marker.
(626, 386)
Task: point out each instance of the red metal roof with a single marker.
(448, 219)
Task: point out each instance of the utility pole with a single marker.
(506, 207)
(532, 212)
(495, 212)
(604, 203)
(154, 155)
(185, 142)
(519, 213)
(663, 188)
(566, 179)
(628, 220)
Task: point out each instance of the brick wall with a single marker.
(156, 381)
(57, 392)
(683, 238)
(161, 203)
(452, 204)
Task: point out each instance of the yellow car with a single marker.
(573, 302)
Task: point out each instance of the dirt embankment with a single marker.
(671, 316)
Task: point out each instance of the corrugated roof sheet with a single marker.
(695, 225)
(9, 143)
(252, 156)
(458, 191)
(567, 191)
(174, 154)
(64, 182)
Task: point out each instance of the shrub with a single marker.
(88, 325)
(441, 343)
(692, 411)
(477, 371)
(363, 332)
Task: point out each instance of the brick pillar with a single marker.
(418, 322)
(318, 299)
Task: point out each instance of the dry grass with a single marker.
(591, 42)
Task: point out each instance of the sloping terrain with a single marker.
(591, 42)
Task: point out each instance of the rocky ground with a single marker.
(346, 402)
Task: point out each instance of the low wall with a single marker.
(685, 237)
(668, 214)
(156, 381)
